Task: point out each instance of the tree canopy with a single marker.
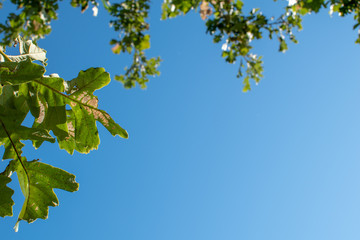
(66, 111)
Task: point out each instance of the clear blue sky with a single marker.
(204, 160)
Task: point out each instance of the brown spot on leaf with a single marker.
(116, 49)
(93, 102)
(103, 117)
(41, 116)
(71, 129)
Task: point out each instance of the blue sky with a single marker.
(204, 160)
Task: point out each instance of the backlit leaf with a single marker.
(37, 181)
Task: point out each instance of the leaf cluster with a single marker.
(62, 111)
(130, 20)
(236, 30)
(225, 21)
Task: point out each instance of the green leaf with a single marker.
(13, 110)
(49, 102)
(75, 128)
(12, 141)
(83, 88)
(88, 81)
(239, 4)
(246, 84)
(145, 43)
(283, 46)
(68, 143)
(16, 73)
(82, 119)
(37, 181)
(6, 202)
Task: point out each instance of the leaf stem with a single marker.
(5, 56)
(66, 96)
(12, 143)
(21, 163)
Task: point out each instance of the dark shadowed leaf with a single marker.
(6, 202)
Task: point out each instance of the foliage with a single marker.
(225, 20)
(227, 23)
(67, 108)
(66, 111)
